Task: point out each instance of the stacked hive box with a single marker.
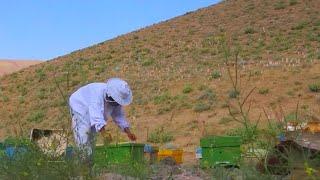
(118, 154)
(220, 151)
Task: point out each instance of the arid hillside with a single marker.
(9, 66)
(178, 72)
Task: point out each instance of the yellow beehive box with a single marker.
(175, 154)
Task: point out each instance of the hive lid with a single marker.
(124, 144)
(220, 141)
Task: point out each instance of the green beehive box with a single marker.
(124, 153)
(220, 151)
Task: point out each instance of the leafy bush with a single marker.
(187, 89)
(160, 136)
(315, 87)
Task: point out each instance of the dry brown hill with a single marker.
(174, 69)
(9, 66)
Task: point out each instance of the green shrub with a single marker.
(200, 107)
(249, 30)
(160, 136)
(216, 74)
(207, 94)
(315, 87)
(234, 94)
(263, 90)
(187, 89)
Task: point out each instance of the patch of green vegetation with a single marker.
(290, 93)
(249, 30)
(290, 117)
(281, 43)
(314, 87)
(36, 116)
(29, 162)
(234, 94)
(134, 170)
(207, 94)
(187, 89)
(216, 74)
(4, 98)
(300, 25)
(163, 98)
(21, 99)
(159, 135)
(293, 2)
(247, 135)
(148, 62)
(280, 5)
(225, 120)
(201, 106)
(264, 90)
(313, 36)
(41, 75)
(42, 93)
(23, 90)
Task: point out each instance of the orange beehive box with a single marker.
(175, 154)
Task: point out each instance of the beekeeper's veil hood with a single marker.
(119, 90)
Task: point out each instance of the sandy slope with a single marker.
(9, 66)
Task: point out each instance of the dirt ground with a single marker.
(7, 67)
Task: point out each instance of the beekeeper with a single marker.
(92, 105)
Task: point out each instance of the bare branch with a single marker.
(245, 99)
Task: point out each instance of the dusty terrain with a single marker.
(10, 66)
